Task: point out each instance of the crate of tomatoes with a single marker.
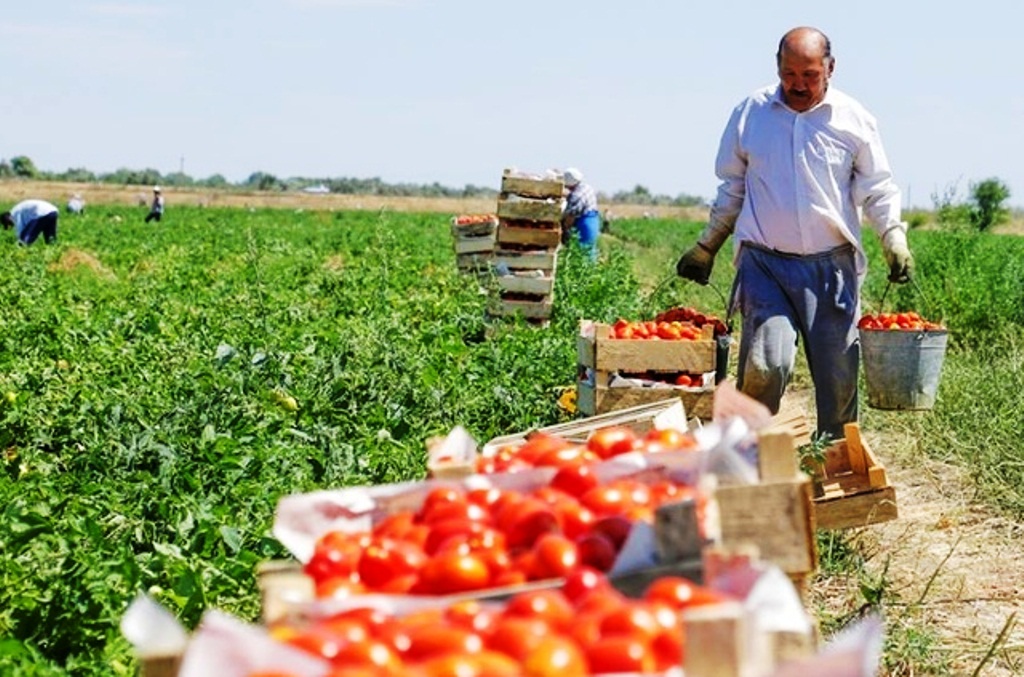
(902, 355)
(630, 363)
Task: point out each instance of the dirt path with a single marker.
(950, 567)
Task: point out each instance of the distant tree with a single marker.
(987, 208)
(178, 179)
(6, 171)
(264, 181)
(23, 166)
(214, 181)
(76, 174)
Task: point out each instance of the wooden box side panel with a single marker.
(474, 245)
(602, 399)
(777, 517)
(530, 210)
(633, 355)
(545, 259)
(526, 285)
(856, 510)
(539, 237)
(531, 187)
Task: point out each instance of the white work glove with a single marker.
(697, 262)
(897, 255)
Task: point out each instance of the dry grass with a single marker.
(103, 194)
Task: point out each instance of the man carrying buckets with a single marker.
(796, 162)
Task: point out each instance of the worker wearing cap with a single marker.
(30, 219)
(581, 214)
(156, 209)
(799, 162)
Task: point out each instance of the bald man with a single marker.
(796, 162)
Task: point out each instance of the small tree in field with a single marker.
(987, 198)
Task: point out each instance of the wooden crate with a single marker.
(529, 281)
(549, 237)
(601, 352)
(536, 308)
(854, 489)
(526, 259)
(479, 262)
(471, 230)
(530, 186)
(527, 209)
(475, 245)
(599, 399)
(776, 515)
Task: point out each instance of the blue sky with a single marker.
(453, 91)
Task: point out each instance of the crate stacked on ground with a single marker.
(473, 236)
(529, 236)
(619, 369)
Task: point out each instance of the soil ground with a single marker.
(951, 566)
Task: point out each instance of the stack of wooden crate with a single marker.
(601, 358)
(528, 238)
(473, 236)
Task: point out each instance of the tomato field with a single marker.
(164, 385)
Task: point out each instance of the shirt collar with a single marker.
(827, 100)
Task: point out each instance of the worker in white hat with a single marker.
(156, 209)
(581, 215)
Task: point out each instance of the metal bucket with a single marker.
(902, 368)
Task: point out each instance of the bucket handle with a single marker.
(675, 276)
(920, 292)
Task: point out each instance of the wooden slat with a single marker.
(854, 449)
(546, 211)
(521, 284)
(777, 517)
(599, 399)
(776, 456)
(633, 355)
(474, 245)
(542, 259)
(856, 510)
(531, 187)
(533, 309)
(540, 237)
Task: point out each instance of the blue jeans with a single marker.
(44, 225)
(588, 226)
(784, 298)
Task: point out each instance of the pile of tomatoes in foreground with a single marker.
(585, 627)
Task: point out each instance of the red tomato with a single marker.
(596, 550)
(582, 580)
(386, 559)
(526, 521)
(680, 593)
(620, 653)
(473, 615)
(566, 457)
(631, 619)
(612, 441)
(538, 444)
(334, 555)
(555, 557)
(550, 606)
(442, 532)
(453, 571)
(575, 480)
(605, 500)
(516, 636)
(615, 527)
(369, 653)
(439, 496)
(556, 656)
(429, 640)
